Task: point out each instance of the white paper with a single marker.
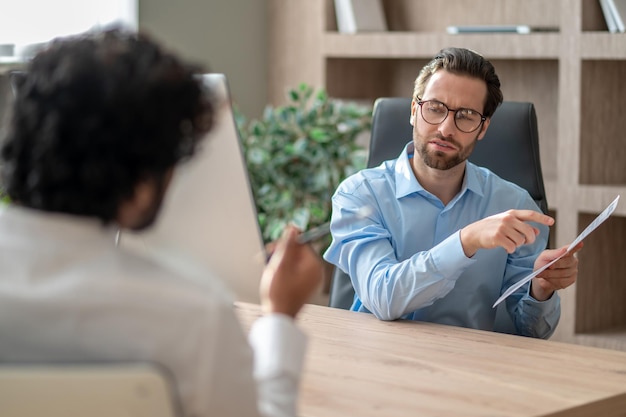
(592, 226)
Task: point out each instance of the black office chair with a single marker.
(510, 149)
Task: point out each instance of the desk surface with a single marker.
(359, 366)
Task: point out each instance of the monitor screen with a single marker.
(209, 213)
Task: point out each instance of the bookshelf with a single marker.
(573, 76)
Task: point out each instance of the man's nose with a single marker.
(448, 127)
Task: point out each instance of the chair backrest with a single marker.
(139, 390)
(510, 149)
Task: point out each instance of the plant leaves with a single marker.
(298, 153)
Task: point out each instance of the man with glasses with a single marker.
(446, 237)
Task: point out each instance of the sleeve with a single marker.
(388, 287)
(227, 374)
(538, 318)
(255, 377)
(279, 348)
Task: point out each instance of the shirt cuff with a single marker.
(542, 306)
(279, 346)
(541, 317)
(449, 256)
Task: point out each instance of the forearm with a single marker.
(391, 289)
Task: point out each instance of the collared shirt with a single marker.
(405, 257)
(67, 294)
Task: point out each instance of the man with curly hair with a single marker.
(98, 124)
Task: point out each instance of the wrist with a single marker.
(538, 293)
(284, 310)
(466, 243)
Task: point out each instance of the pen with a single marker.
(314, 233)
(324, 229)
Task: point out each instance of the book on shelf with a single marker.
(608, 16)
(523, 29)
(617, 9)
(355, 16)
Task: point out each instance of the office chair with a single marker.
(79, 390)
(510, 149)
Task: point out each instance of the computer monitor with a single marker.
(209, 213)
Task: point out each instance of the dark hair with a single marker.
(94, 115)
(465, 62)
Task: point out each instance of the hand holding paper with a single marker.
(598, 220)
(560, 275)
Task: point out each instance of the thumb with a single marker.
(551, 254)
(286, 241)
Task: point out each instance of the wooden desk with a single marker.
(359, 366)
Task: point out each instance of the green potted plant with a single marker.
(297, 155)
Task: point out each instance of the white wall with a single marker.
(228, 36)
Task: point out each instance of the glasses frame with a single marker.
(420, 102)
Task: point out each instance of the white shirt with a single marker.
(67, 294)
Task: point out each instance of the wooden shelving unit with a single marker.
(575, 78)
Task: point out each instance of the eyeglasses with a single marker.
(435, 112)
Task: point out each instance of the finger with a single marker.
(564, 264)
(577, 248)
(550, 274)
(551, 254)
(571, 271)
(529, 234)
(559, 283)
(564, 254)
(533, 216)
(282, 244)
(566, 261)
(523, 234)
(508, 238)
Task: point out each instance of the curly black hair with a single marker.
(94, 115)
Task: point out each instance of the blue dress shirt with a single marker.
(405, 257)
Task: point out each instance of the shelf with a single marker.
(575, 78)
(392, 45)
(428, 15)
(603, 46)
(601, 287)
(595, 198)
(602, 122)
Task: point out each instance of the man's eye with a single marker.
(467, 114)
(436, 109)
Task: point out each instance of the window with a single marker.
(24, 23)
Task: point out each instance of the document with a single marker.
(592, 226)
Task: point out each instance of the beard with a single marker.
(442, 160)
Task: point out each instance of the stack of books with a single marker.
(355, 16)
(615, 14)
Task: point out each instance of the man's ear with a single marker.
(483, 128)
(131, 209)
(413, 112)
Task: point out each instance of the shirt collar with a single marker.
(407, 184)
(43, 225)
